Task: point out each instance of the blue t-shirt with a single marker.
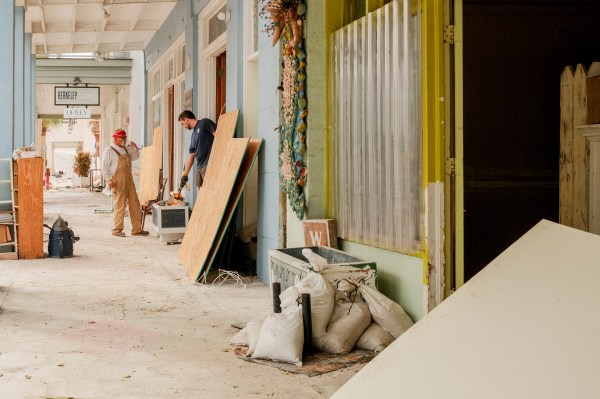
(202, 141)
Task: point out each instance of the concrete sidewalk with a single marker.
(121, 319)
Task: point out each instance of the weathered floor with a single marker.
(121, 319)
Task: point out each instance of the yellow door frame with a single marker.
(443, 137)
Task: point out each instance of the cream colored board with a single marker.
(524, 327)
(210, 207)
(244, 171)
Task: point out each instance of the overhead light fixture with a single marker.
(224, 16)
(98, 56)
(76, 81)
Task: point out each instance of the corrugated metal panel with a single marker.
(375, 128)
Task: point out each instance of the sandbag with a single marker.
(240, 338)
(374, 339)
(317, 262)
(253, 328)
(387, 313)
(321, 301)
(348, 322)
(281, 337)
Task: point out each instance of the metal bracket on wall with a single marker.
(449, 34)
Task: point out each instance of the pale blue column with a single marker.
(28, 91)
(235, 60)
(19, 86)
(268, 171)
(235, 77)
(7, 9)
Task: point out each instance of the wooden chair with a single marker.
(147, 207)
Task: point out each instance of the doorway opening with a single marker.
(513, 55)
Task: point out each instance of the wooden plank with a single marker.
(580, 185)
(565, 195)
(593, 100)
(210, 207)
(150, 166)
(31, 208)
(8, 256)
(244, 171)
(225, 130)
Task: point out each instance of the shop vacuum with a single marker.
(62, 238)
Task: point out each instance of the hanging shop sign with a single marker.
(76, 95)
(77, 113)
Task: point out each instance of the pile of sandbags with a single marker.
(344, 316)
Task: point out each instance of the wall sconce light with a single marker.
(224, 16)
(76, 81)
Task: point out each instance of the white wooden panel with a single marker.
(526, 326)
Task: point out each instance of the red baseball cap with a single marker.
(119, 133)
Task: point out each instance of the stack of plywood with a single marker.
(229, 165)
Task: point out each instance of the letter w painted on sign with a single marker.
(315, 237)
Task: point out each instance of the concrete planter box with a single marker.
(81, 181)
(288, 266)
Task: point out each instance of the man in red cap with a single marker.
(116, 170)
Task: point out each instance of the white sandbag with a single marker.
(321, 301)
(374, 339)
(253, 331)
(317, 262)
(289, 297)
(281, 337)
(348, 322)
(387, 313)
(240, 338)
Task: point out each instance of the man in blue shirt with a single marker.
(203, 135)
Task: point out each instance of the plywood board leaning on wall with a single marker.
(150, 166)
(240, 182)
(210, 207)
(187, 256)
(225, 130)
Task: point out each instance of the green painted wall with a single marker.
(399, 276)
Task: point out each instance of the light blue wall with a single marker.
(235, 60)
(182, 20)
(19, 69)
(17, 86)
(6, 84)
(268, 178)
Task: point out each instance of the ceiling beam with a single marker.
(63, 71)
